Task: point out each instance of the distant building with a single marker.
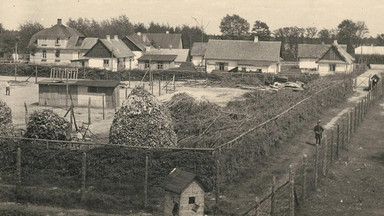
(58, 45)
(335, 60)
(184, 194)
(308, 54)
(156, 62)
(241, 55)
(197, 53)
(110, 54)
(369, 50)
(53, 92)
(163, 40)
(138, 46)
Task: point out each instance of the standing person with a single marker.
(318, 129)
(7, 88)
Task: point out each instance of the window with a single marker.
(44, 42)
(160, 66)
(57, 54)
(106, 63)
(221, 66)
(57, 41)
(44, 54)
(191, 200)
(146, 65)
(332, 67)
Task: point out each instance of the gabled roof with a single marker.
(157, 57)
(243, 50)
(314, 50)
(179, 180)
(88, 43)
(182, 54)
(163, 40)
(138, 41)
(198, 49)
(118, 47)
(343, 53)
(60, 31)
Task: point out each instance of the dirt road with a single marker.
(355, 185)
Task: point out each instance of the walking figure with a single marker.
(7, 88)
(318, 132)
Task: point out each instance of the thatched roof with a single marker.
(199, 49)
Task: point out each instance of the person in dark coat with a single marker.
(318, 129)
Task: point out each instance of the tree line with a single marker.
(232, 27)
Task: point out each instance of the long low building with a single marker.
(54, 93)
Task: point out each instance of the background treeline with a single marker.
(232, 27)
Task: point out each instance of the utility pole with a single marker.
(202, 27)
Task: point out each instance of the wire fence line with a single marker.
(313, 168)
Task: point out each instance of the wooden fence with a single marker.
(304, 178)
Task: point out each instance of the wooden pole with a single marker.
(129, 78)
(146, 183)
(66, 93)
(26, 114)
(159, 87)
(89, 110)
(174, 83)
(102, 98)
(126, 93)
(257, 204)
(325, 158)
(36, 74)
(316, 164)
(71, 119)
(343, 134)
(272, 212)
(337, 140)
(18, 166)
(331, 146)
(84, 172)
(304, 186)
(292, 191)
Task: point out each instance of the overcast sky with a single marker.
(276, 13)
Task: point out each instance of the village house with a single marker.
(110, 54)
(163, 40)
(369, 50)
(53, 92)
(335, 60)
(308, 54)
(241, 55)
(162, 59)
(184, 194)
(137, 45)
(58, 45)
(197, 53)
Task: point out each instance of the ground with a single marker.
(355, 183)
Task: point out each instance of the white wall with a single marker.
(135, 63)
(307, 63)
(340, 68)
(198, 60)
(64, 59)
(193, 190)
(214, 65)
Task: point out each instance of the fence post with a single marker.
(36, 74)
(272, 212)
(292, 191)
(89, 110)
(316, 164)
(325, 156)
(331, 146)
(84, 172)
(26, 114)
(18, 166)
(174, 83)
(337, 141)
(146, 183)
(217, 191)
(257, 206)
(304, 186)
(355, 119)
(102, 99)
(343, 133)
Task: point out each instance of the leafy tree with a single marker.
(310, 32)
(380, 40)
(1, 28)
(26, 31)
(351, 33)
(261, 29)
(234, 26)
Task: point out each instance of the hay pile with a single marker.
(142, 120)
(6, 124)
(46, 124)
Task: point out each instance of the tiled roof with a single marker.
(182, 54)
(243, 50)
(198, 49)
(118, 47)
(163, 40)
(138, 41)
(157, 57)
(314, 50)
(88, 43)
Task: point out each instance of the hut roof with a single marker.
(94, 83)
(178, 180)
(157, 57)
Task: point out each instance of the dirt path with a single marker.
(238, 196)
(355, 185)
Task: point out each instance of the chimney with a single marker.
(335, 42)
(139, 33)
(170, 46)
(116, 37)
(255, 39)
(59, 21)
(166, 32)
(108, 38)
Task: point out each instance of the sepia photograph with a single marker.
(191, 107)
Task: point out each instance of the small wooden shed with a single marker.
(54, 92)
(184, 194)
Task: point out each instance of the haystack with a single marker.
(6, 124)
(46, 124)
(142, 120)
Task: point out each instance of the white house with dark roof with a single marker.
(137, 45)
(241, 55)
(110, 53)
(197, 53)
(335, 60)
(58, 45)
(308, 54)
